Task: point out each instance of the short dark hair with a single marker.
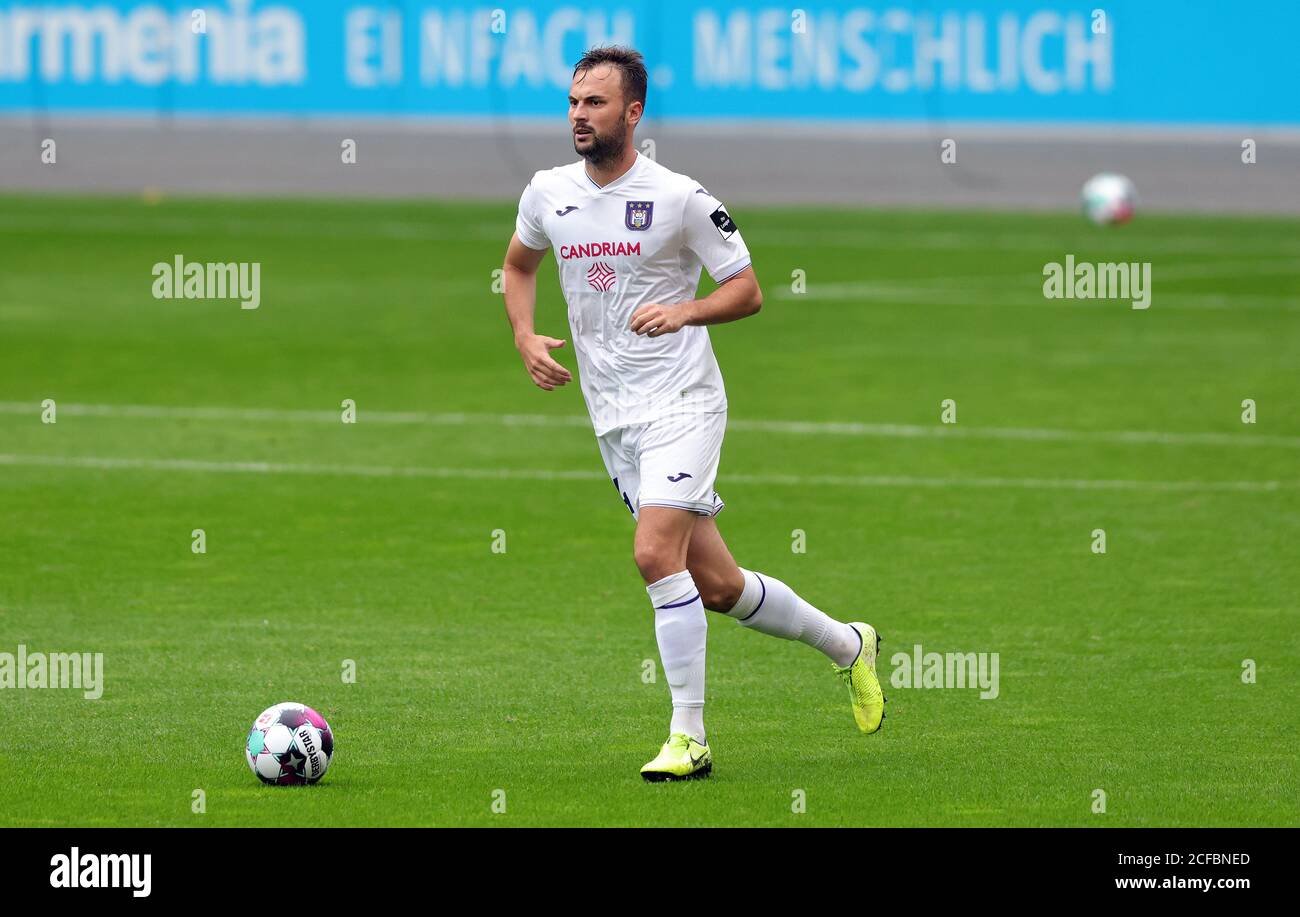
(628, 61)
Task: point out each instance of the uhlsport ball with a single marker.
(289, 744)
(1109, 199)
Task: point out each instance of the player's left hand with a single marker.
(654, 319)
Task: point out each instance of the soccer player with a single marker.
(630, 238)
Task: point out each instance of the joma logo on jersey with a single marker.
(599, 250)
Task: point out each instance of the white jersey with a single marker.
(643, 238)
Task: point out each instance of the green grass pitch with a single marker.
(521, 671)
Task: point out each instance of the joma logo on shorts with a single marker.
(678, 476)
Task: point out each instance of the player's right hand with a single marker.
(536, 351)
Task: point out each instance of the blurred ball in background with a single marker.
(1109, 199)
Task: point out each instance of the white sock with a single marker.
(681, 628)
(769, 606)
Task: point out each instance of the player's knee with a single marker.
(718, 594)
(655, 562)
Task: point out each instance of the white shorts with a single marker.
(670, 461)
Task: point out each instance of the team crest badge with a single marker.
(639, 214)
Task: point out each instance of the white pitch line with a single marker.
(581, 421)
(114, 463)
(1034, 279)
(916, 431)
(329, 226)
(976, 239)
(360, 224)
(957, 296)
(110, 463)
(261, 415)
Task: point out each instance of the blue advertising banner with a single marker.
(1138, 61)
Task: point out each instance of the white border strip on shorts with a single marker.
(701, 507)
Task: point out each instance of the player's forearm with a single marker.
(735, 299)
(520, 291)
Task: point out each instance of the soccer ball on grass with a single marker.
(289, 744)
